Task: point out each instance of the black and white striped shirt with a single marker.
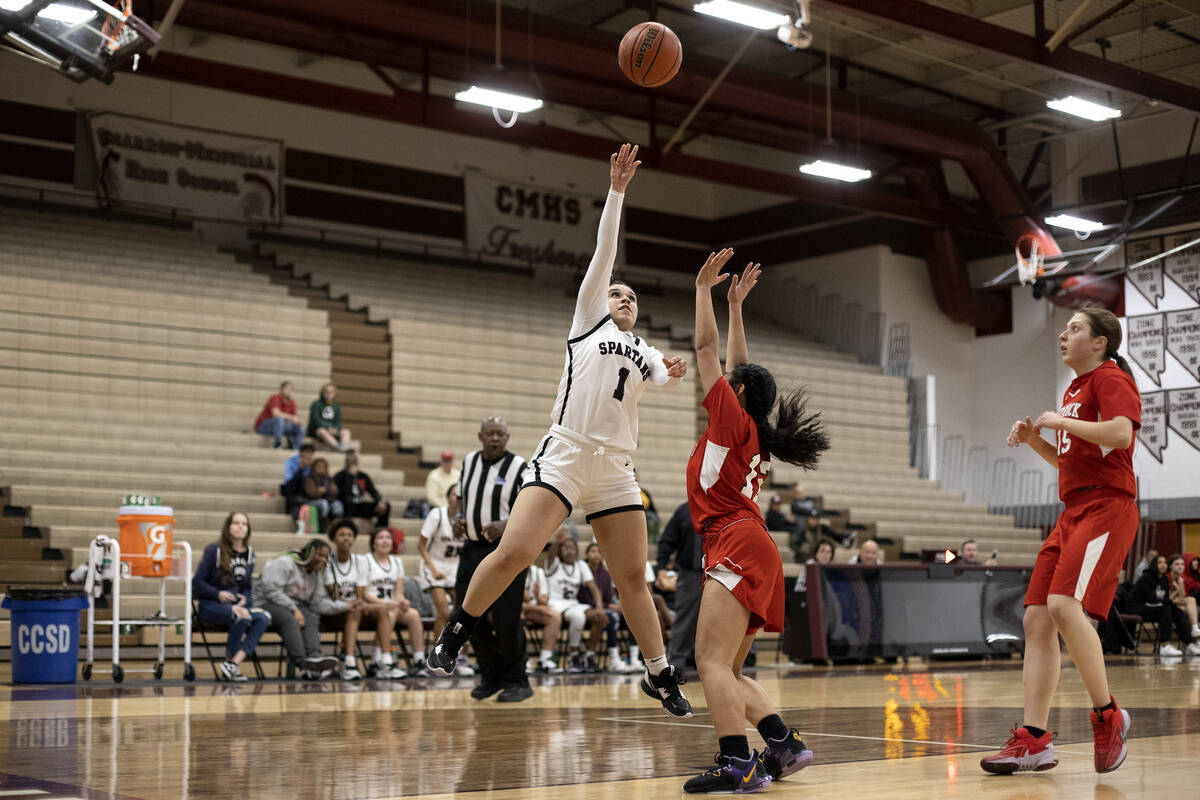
(488, 489)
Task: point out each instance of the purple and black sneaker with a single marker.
(732, 775)
(784, 756)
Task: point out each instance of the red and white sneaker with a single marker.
(1022, 753)
(1110, 728)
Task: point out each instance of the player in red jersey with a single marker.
(743, 584)
(1075, 575)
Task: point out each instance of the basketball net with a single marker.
(1029, 269)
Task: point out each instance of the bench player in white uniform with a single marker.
(385, 587)
(536, 609)
(566, 575)
(438, 548)
(586, 459)
(346, 580)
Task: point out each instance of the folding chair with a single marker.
(204, 628)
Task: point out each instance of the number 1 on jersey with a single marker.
(622, 374)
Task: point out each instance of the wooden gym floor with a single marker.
(879, 732)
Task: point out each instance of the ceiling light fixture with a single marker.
(1071, 223)
(1077, 106)
(839, 172)
(502, 100)
(742, 14)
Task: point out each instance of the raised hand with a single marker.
(738, 289)
(676, 366)
(1023, 432)
(710, 274)
(621, 166)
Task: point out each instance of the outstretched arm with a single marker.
(592, 303)
(736, 351)
(708, 339)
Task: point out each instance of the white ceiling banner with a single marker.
(209, 174)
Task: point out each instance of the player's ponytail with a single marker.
(797, 437)
(1105, 323)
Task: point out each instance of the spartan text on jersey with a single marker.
(619, 349)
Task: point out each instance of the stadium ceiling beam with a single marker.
(442, 113)
(923, 18)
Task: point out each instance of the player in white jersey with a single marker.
(586, 459)
(536, 610)
(345, 579)
(438, 548)
(385, 587)
(566, 575)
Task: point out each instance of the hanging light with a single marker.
(838, 172)
(1077, 106)
(742, 14)
(494, 98)
(1073, 223)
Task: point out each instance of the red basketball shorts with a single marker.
(1083, 556)
(742, 556)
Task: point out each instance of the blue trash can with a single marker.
(45, 633)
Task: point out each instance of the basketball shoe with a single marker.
(784, 756)
(1109, 729)
(443, 658)
(1022, 753)
(664, 687)
(732, 775)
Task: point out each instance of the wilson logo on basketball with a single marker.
(647, 43)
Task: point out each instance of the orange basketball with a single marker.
(650, 54)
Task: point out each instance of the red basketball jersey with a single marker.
(726, 469)
(1097, 396)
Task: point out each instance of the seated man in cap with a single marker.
(440, 480)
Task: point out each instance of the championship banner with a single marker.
(210, 174)
(543, 227)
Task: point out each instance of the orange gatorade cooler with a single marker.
(146, 532)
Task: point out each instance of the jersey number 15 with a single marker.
(756, 476)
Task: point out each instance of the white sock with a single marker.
(348, 660)
(547, 655)
(614, 654)
(377, 654)
(1195, 631)
(657, 665)
(418, 657)
(635, 655)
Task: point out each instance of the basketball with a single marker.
(650, 54)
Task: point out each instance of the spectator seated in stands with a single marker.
(810, 531)
(279, 420)
(662, 590)
(611, 605)
(775, 518)
(1183, 601)
(384, 591)
(536, 610)
(1144, 564)
(969, 554)
(358, 494)
(823, 555)
(1191, 577)
(439, 480)
(325, 420)
(320, 491)
(223, 586)
(346, 580)
(1151, 600)
(567, 576)
(803, 505)
(292, 591)
(295, 470)
(868, 553)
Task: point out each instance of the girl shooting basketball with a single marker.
(586, 459)
(1075, 575)
(743, 580)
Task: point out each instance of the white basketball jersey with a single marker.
(345, 577)
(381, 580)
(535, 583)
(442, 546)
(565, 580)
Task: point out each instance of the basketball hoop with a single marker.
(1030, 263)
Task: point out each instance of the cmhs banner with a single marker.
(210, 174)
(543, 227)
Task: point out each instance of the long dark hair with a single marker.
(797, 437)
(1105, 323)
(304, 555)
(225, 562)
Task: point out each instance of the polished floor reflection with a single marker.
(877, 731)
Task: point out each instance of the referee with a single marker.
(487, 488)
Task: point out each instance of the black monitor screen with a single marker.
(937, 609)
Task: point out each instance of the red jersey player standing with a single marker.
(743, 583)
(1076, 572)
